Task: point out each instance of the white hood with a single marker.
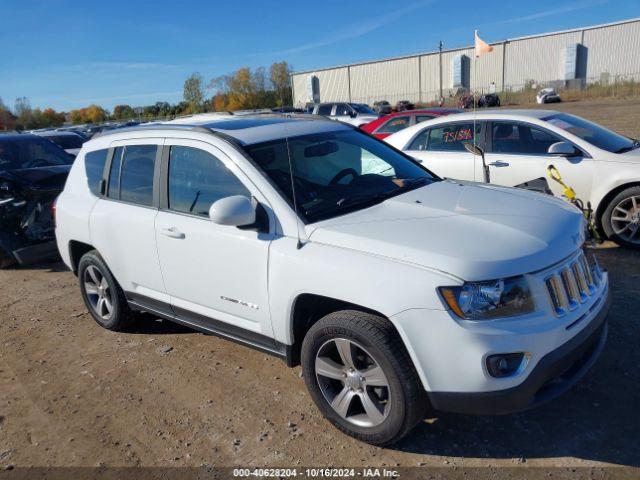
(471, 230)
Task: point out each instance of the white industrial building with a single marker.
(571, 58)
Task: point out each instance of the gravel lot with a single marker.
(73, 394)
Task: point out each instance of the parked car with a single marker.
(602, 166)
(548, 95)
(382, 107)
(32, 173)
(404, 105)
(466, 101)
(384, 126)
(357, 114)
(70, 142)
(489, 100)
(397, 291)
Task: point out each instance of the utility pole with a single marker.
(440, 62)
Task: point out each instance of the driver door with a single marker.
(214, 274)
(518, 155)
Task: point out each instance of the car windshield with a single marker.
(337, 172)
(590, 132)
(29, 151)
(362, 108)
(65, 141)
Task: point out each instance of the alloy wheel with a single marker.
(353, 382)
(625, 219)
(98, 292)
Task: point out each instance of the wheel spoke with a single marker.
(344, 349)
(107, 304)
(371, 408)
(90, 288)
(620, 219)
(94, 274)
(626, 212)
(326, 367)
(375, 377)
(342, 402)
(100, 306)
(104, 283)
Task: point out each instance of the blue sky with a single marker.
(68, 54)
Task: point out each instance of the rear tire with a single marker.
(102, 294)
(375, 395)
(6, 259)
(621, 219)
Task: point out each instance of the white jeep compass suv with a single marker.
(397, 291)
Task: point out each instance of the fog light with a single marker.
(504, 364)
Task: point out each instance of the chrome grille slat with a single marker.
(570, 284)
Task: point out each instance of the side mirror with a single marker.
(235, 211)
(353, 114)
(562, 149)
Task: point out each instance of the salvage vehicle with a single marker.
(520, 146)
(397, 292)
(548, 95)
(357, 114)
(389, 124)
(489, 100)
(70, 142)
(32, 173)
(404, 105)
(382, 107)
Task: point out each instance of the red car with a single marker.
(384, 126)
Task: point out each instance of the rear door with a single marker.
(123, 220)
(441, 149)
(517, 155)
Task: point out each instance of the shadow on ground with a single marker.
(597, 420)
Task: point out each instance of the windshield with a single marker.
(337, 172)
(65, 141)
(592, 133)
(29, 151)
(362, 108)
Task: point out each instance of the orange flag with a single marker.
(481, 45)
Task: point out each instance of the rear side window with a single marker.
(342, 109)
(94, 167)
(131, 176)
(197, 179)
(521, 139)
(423, 118)
(445, 138)
(394, 125)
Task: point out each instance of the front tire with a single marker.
(102, 294)
(361, 377)
(621, 219)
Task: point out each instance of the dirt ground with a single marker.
(74, 394)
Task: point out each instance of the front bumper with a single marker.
(554, 374)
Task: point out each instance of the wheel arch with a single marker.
(76, 250)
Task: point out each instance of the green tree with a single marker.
(280, 78)
(123, 112)
(194, 93)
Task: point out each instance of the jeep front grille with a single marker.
(572, 284)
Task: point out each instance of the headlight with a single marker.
(488, 300)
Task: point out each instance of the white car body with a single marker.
(547, 95)
(389, 258)
(595, 174)
(345, 112)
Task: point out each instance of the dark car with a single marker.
(404, 105)
(33, 172)
(382, 107)
(489, 100)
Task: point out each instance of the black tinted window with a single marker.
(197, 179)
(324, 110)
(342, 109)
(114, 174)
(423, 118)
(29, 151)
(66, 141)
(136, 176)
(517, 138)
(94, 167)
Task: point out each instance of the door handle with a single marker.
(499, 163)
(172, 232)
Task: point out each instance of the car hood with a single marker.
(470, 230)
(40, 178)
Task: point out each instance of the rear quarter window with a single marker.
(94, 168)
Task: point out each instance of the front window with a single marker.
(595, 134)
(362, 108)
(28, 151)
(520, 139)
(336, 172)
